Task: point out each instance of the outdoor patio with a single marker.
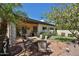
(57, 49)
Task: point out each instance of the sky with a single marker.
(36, 10)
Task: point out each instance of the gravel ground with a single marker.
(63, 49)
(74, 51)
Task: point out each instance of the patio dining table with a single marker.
(41, 43)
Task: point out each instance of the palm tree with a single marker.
(8, 16)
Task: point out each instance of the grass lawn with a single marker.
(63, 38)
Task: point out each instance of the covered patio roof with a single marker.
(29, 20)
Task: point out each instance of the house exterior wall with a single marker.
(51, 30)
(28, 26)
(66, 32)
(11, 29)
(40, 28)
(59, 32)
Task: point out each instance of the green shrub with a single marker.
(54, 33)
(70, 35)
(63, 38)
(49, 34)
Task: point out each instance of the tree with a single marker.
(7, 16)
(66, 18)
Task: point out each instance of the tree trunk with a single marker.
(11, 33)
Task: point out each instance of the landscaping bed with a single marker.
(63, 38)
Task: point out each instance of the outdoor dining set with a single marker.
(36, 45)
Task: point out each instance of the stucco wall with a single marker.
(40, 28)
(28, 26)
(63, 31)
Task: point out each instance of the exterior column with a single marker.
(39, 29)
(48, 28)
(11, 33)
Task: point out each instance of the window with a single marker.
(44, 28)
(62, 34)
(24, 30)
(35, 29)
(51, 28)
